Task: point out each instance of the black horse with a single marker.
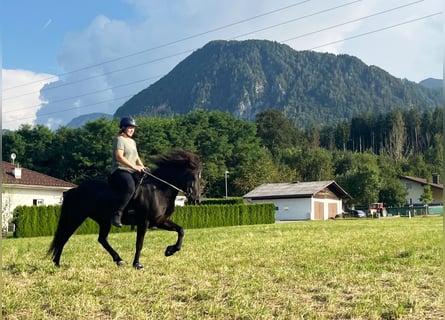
(151, 206)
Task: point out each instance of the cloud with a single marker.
(111, 60)
(21, 96)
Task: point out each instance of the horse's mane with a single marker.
(177, 157)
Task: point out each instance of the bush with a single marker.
(229, 201)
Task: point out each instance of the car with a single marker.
(358, 214)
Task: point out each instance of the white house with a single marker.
(21, 186)
(317, 200)
(415, 187)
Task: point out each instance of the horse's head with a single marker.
(183, 170)
(193, 186)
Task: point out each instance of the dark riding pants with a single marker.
(124, 185)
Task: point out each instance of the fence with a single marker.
(415, 211)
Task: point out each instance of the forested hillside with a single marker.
(246, 78)
(364, 155)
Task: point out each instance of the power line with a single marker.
(377, 30)
(319, 46)
(255, 31)
(85, 106)
(352, 21)
(86, 94)
(299, 18)
(323, 45)
(106, 73)
(183, 52)
(164, 45)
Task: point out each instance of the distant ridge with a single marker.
(245, 78)
(432, 83)
(81, 120)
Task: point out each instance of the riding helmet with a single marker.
(127, 122)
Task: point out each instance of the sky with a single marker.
(63, 59)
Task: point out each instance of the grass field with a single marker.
(342, 269)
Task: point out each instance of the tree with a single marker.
(6, 208)
(425, 129)
(361, 132)
(78, 154)
(359, 175)
(434, 154)
(412, 122)
(157, 135)
(255, 173)
(393, 193)
(313, 136)
(315, 164)
(327, 138)
(223, 142)
(13, 143)
(62, 151)
(275, 130)
(427, 196)
(396, 141)
(342, 134)
(31, 145)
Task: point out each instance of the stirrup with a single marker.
(116, 220)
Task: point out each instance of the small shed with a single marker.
(316, 200)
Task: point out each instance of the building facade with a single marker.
(296, 201)
(24, 187)
(415, 187)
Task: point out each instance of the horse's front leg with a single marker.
(171, 226)
(141, 230)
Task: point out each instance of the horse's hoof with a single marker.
(170, 251)
(120, 263)
(138, 266)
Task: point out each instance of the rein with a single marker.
(146, 173)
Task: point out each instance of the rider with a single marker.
(125, 161)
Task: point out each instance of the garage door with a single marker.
(318, 210)
(332, 209)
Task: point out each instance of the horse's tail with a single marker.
(70, 219)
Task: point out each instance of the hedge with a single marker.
(209, 216)
(222, 201)
(42, 220)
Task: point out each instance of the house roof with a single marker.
(31, 178)
(295, 190)
(423, 182)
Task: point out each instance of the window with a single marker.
(408, 185)
(38, 202)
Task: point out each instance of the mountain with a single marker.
(245, 78)
(432, 83)
(81, 120)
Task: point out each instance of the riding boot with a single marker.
(116, 219)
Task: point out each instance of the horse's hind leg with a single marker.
(65, 229)
(104, 230)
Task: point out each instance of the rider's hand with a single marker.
(139, 168)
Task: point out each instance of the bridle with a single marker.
(146, 173)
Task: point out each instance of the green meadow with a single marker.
(337, 269)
